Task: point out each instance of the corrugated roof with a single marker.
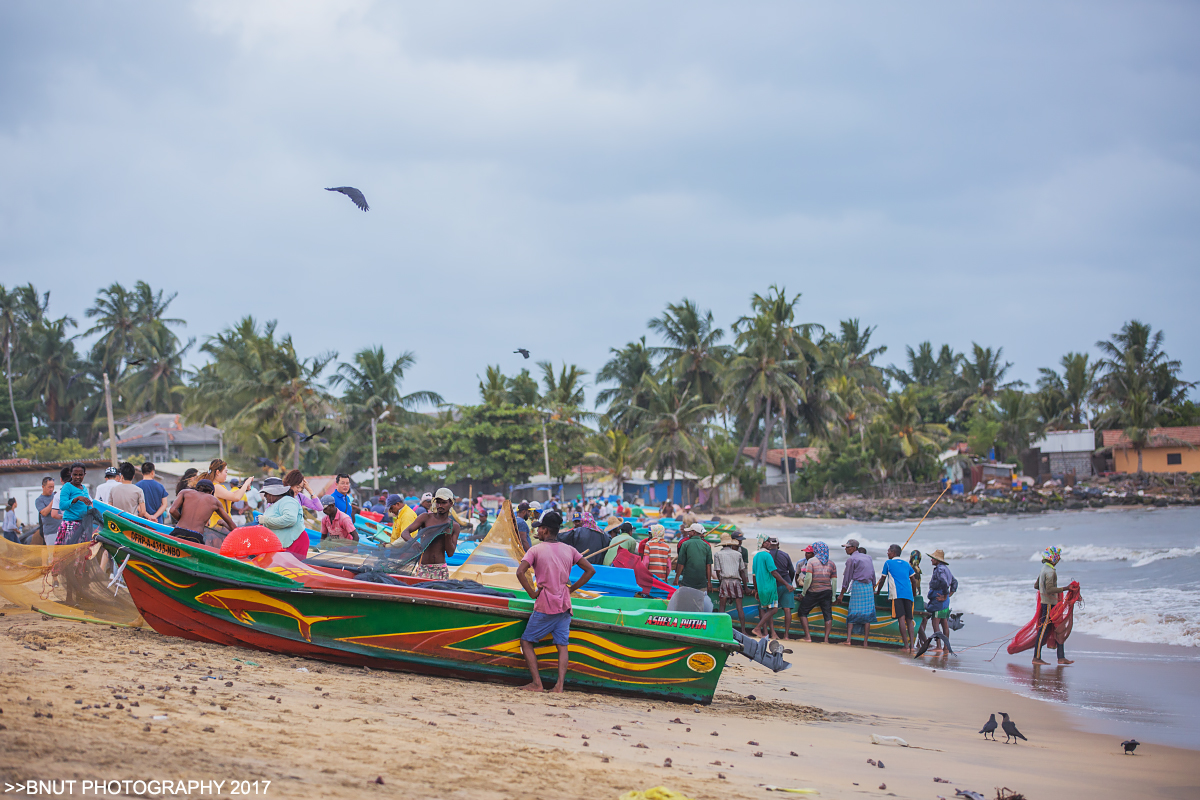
(775, 457)
(25, 465)
(1159, 437)
(163, 429)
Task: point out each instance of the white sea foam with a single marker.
(1139, 556)
(1152, 616)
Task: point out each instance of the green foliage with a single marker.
(982, 431)
(843, 468)
(749, 478)
(37, 448)
(499, 444)
(405, 452)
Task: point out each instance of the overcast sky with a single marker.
(549, 175)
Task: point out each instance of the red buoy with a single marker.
(251, 540)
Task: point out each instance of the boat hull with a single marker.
(885, 632)
(279, 604)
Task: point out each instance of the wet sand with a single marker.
(332, 731)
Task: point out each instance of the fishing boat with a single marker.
(277, 603)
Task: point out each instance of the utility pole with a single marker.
(112, 428)
(546, 449)
(787, 479)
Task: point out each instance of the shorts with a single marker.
(731, 589)
(787, 599)
(187, 536)
(542, 625)
(822, 600)
(433, 572)
(904, 608)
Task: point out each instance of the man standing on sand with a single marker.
(731, 572)
(900, 588)
(860, 577)
(74, 502)
(48, 516)
(154, 493)
(1048, 595)
(439, 536)
(787, 575)
(104, 490)
(693, 571)
(766, 585)
(127, 495)
(818, 576)
(551, 561)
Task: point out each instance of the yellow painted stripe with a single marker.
(151, 572)
(621, 649)
(513, 647)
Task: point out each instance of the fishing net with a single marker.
(1060, 619)
(71, 581)
(494, 561)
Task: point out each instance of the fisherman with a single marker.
(193, 508)
(586, 538)
(334, 522)
(860, 578)
(818, 576)
(740, 538)
(942, 586)
(432, 566)
(521, 518)
(1048, 595)
(104, 490)
(551, 562)
(154, 493)
(766, 582)
(898, 573)
(622, 539)
(731, 572)
(127, 495)
(484, 526)
(285, 517)
(341, 497)
(74, 502)
(658, 553)
(425, 506)
(48, 515)
(787, 575)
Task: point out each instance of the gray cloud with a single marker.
(548, 176)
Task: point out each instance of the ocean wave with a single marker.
(1149, 616)
(1139, 556)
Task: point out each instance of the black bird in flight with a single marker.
(136, 363)
(280, 440)
(266, 462)
(1130, 746)
(1010, 730)
(522, 351)
(353, 194)
(313, 435)
(990, 727)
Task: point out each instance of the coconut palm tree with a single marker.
(614, 451)
(693, 354)
(910, 439)
(1133, 360)
(50, 364)
(854, 344)
(115, 312)
(980, 379)
(1074, 387)
(627, 368)
(564, 389)
(493, 387)
(20, 307)
(372, 384)
(158, 383)
(1017, 413)
(673, 430)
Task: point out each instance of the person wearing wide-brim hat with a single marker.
(731, 572)
(942, 586)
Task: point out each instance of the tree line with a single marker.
(694, 402)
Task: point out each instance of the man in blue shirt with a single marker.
(155, 492)
(341, 497)
(901, 591)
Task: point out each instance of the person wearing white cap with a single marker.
(443, 532)
(104, 490)
(426, 503)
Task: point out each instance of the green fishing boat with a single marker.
(277, 603)
(885, 632)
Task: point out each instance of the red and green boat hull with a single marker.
(279, 604)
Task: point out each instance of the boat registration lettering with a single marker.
(660, 621)
(701, 662)
(157, 546)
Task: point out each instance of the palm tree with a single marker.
(1075, 386)
(493, 387)
(693, 355)
(614, 452)
(627, 368)
(157, 384)
(50, 365)
(20, 308)
(149, 306)
(1017, 413)
(855, 346)
(1133, 360)
(564, 389)
(926, 369)
(982, 376)
(1138, 417)
(372, 383)
(117, 320)
(911, 438)
(674, 424)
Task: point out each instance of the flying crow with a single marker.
(1010, 730)
(136, 363)
(280, 440)
(353, 194)
(990, 727)
(1130, 746)
(266, 462)
(314, 435)
(522, 351)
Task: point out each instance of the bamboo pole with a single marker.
(935, 502)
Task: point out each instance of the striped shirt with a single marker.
(658, 558)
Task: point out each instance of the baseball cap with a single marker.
(851, 543)
(327, 500)
(522, 506)
(393, 499)
(444, 494)
(111, 472)
(695, 527)
(809, 549)
(427, 496)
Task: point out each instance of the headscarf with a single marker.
(821, 551)
(657, 531)
(1051, 555)
(914, 559)
(586, 520)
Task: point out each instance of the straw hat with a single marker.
(727, 540)
(612, 524)
(938, 555)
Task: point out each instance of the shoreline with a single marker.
(322, 730)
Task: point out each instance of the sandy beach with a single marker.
(147, 711)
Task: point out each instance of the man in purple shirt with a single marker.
(859, 571)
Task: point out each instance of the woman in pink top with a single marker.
(551, 561)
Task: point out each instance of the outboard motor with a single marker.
(767, 652)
